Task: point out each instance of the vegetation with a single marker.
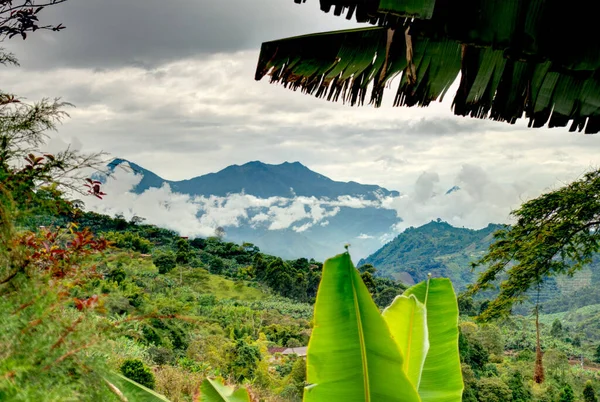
(403, 343)
(100, 308)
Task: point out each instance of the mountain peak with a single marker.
(263, 180)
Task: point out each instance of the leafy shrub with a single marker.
(165, 262)
(493, 389)
(161, 355)
(589, 395)
(244, 360)
(117, 275)
(137, 371)
(130, 241)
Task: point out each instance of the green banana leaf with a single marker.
(441, 380)
(406, 318)
(131, 390)
(216, 391)
(352, 356)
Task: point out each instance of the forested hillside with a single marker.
(437, 248)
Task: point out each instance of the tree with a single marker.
(556, 233)
(19, 17)
(597, 354)
(589, 394)
(367, 268)
(430, 42)
(566, 394)
(165, 262)
(184, 254)
(557, 329)
(138, 372)
(367, 278)
(220, 233)
(519, 392)
(493, 389)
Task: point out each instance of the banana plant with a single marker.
(128, 390)
(407, 354)
(210, 391)
(216, 391)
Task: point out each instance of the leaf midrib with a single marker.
(363, 349)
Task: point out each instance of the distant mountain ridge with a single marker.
(343, 217)
(261, 180)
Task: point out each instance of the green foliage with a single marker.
(589, 394)
(183, 254)
(165, 262)
(215, 391)
(137, 371)
(130, 241)
(556, 233)
(126, 388)
(566, 394)
(516, 383)
(557, 329)
(493, 389)
(362, 338)
(244, 361)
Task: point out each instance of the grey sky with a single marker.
(171, 88)
(113, 33)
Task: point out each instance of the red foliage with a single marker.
(58, 251)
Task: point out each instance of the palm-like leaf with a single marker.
(130, 390)
(216, 391)
(407, 320)
(352, 355)
(441, 380)
(513, 59)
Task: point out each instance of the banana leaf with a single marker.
(130, 390)
(351, 354)
(343, 64)
(500, 84)
(216, 391)
(406, 318)
(441, 379)
(523, 27)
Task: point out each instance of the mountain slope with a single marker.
(437, 248)
(300, 212)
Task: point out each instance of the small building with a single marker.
(300, 352)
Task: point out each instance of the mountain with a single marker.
(261, 180)
(330, 214)
(437, 248)
(447, 251)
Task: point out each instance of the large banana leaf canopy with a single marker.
(534, 58)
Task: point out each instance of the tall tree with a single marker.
(556, 233)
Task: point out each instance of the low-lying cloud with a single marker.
(477, 201)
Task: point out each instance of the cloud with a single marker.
(364, 236)
(111, 33)
(200, 215)
(480, 199)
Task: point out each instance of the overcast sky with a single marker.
(170, 86)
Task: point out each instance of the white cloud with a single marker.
(364, 236)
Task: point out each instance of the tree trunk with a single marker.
(538, 375)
